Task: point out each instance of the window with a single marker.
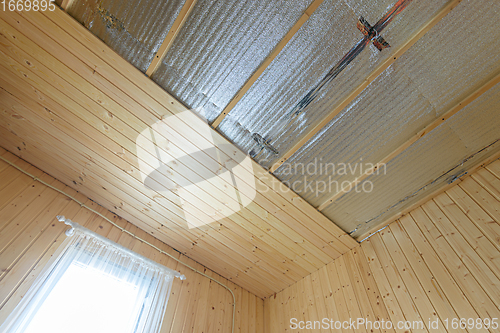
(94, 285)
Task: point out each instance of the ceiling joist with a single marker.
(379, 70)
(309, 11)
(169, 40)
(426, 130)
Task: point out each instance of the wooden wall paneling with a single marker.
(435, 263)
(372, 292)
(486, 177)
(319, 298)
(29, 218)
(441, 274)
(417, 294)
(389, 298)
(143, 217)
(476, 214)
(157, 94)
(360, 290)
(429, 281)
(483, 197)
(486, 279)
(397, 284)
(338, 295)
(312, 310)
(470, 234)
(352, 303)
(479, 300)
(28, 197)
(252, 318)
(39, 249)
(327, 293)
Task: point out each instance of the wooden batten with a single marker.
(239, 95)
(66, 4)
(355, 93)
(168, 41)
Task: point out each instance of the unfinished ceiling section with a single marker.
(416, 90)
(134, 29)
(219, 47)
(318, 46)
(223, 45)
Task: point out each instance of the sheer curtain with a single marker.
(94, 285)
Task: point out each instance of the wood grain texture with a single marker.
(441, 261)
(74, 108)
(30, 235)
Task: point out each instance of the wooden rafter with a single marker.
(167, 43)
(309, 11)
(379, 70)
(66, 4)
(426, 130)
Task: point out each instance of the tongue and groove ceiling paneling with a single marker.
(427, 106)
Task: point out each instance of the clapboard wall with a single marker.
(29, 233)
(441, 261)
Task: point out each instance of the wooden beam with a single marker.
(169, 40)
(432, 195)
(66, 4)
(381, 68)
(420, 134)
(309, 11)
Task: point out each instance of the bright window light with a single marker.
(86, 300)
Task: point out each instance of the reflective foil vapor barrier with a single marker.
(372, 35)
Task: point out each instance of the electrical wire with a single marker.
(127, 232)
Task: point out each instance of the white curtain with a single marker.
(94, 285)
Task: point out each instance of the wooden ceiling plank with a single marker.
(321, 232)
(151, 94)
(282, 226)
(248, 84)
(355, 93)
(417, 136)
(200, 251)
(169, 39)
(254, 231)
(45, 98)
(66, 4)
(309, 212)
(103, 181)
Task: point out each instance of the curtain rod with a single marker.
(123, 249)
